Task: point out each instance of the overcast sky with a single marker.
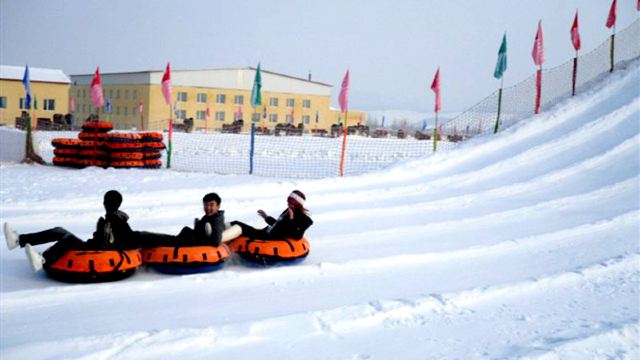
(391, 47)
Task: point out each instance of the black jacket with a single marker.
(113, 232)
(217, 226)
(285, 228)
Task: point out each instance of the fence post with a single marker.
(252, 147)
(613, 45)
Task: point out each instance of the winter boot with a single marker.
(35, 259)
(11, 236)
(231, 233)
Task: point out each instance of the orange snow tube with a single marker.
(186, 259)
(88, 266)
(271, 252)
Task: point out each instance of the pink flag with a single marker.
(611, 20)
(638, 6)
(140, 106)
(538, 47)
(239, 113)
(166, 85)
(343, 99)
(96, 89)
(435, 86)
(72, 105)
(575, 34)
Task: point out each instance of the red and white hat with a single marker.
(297, 196)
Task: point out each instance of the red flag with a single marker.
(208, 111)
(343, 99)
(575, 33)
(435, 86)
(97, 97)
(611, 20)
(140, 106)
(638, 6)
(538, 46)
(166, 84)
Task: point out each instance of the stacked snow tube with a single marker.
(78, 153)
(186, 259)
(271, 252)
(90, 266)
(98, 146)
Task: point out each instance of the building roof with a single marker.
(227, 78)
(8, 72)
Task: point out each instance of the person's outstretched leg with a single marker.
(250, 231)
(47, 236)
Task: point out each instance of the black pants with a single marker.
(253, 233)
(64, 239)
(186, 237)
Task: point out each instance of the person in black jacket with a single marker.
(291, 224)
(206, 231)
(112, 232)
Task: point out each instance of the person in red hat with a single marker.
(291, 224)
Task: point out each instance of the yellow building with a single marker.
(226, 93)
(49, 91)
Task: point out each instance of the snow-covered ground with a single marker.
(519, 245)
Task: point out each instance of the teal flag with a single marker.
(501, 66)
(256, 92)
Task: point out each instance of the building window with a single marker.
(117, 110)
(118, 94)
(306, 119)
(49, 104)
(291, 102)
(201, 115)
(135, 94)
(289, 119)
(84, 92)
(220, 115)
(255, 117)
(182, 97)
(22, 107)
(273, 102)
(306, 104)
(273, 118)
(84, 109)
(126, 111)
(201, 98)
(126, 94)
(78, 93)
(181, 114)
(221, 98)
(238, 99)
(3, 102)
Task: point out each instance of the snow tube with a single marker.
(151, 136)
(83, 135)
(152, 163)
(186, 259)
(130, 155)
(89, 266)
(152, 155)
(97, 126)
(124, 146)
(62, 143)
(271, 252)
(122, 164)
(126, 138)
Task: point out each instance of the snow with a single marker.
(35, 74)
(520, 245)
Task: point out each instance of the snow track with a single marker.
(520, 245)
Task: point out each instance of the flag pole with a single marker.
(344, 142)
(170, 135)
(435, 134)
(575, 75)
(495, 130)
(613, 42)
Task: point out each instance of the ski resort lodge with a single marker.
(210, 98)
(49, 93)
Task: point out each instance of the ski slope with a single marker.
(519, 245)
